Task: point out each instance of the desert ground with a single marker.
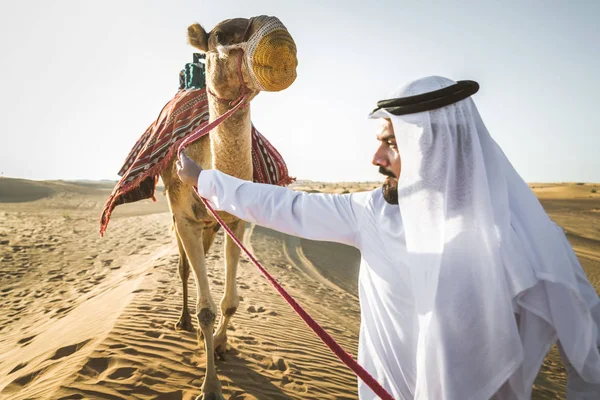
(86, 317)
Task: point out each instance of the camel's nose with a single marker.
(274, 60)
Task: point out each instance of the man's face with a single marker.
(387, 158)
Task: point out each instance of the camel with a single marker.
(228, 149)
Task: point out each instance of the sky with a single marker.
(80, 81)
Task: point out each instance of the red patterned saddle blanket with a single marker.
(186, 113)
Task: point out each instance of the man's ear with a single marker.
(198, 37)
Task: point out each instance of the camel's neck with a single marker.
(231, 141)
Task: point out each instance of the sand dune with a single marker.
(20, 190)
(84, 317)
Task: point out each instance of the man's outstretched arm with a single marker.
(315, 216)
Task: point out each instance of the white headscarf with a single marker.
(482, 249)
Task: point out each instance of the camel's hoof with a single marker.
(220, 353)
(210, 396)
(220, 343)
(185, 324)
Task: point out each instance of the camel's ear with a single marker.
(198, 37)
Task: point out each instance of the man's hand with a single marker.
(188, 170)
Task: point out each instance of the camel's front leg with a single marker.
(230, 301)
(185, 320)
(205, 306)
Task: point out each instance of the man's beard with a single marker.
(390, 187)
(390, 191)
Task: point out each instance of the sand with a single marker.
(85, 317)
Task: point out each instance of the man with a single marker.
(464, 282)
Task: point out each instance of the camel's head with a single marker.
(261, 47)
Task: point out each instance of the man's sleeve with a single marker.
(316, 216)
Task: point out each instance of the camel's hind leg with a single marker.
(206, 311)
(230, 300)
(185, 320)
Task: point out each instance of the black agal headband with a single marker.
(429, 101)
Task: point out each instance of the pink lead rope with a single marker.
(312, 324)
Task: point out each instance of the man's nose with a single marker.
(380, 159)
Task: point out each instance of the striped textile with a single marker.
(186, 113)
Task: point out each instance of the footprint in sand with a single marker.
(278, 363)
(122, 373)
(23, 293)
(95, 366)
(187, 356)
(287, 378)
(131, 351)
(21, 381)
(26, 341)
(252, 309)
(64, 310)
(18, 367)
(19, 308)
(251, 340)
(68, 350)
(153, 334)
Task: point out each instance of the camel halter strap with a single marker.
(243, 91)
(244, 88)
